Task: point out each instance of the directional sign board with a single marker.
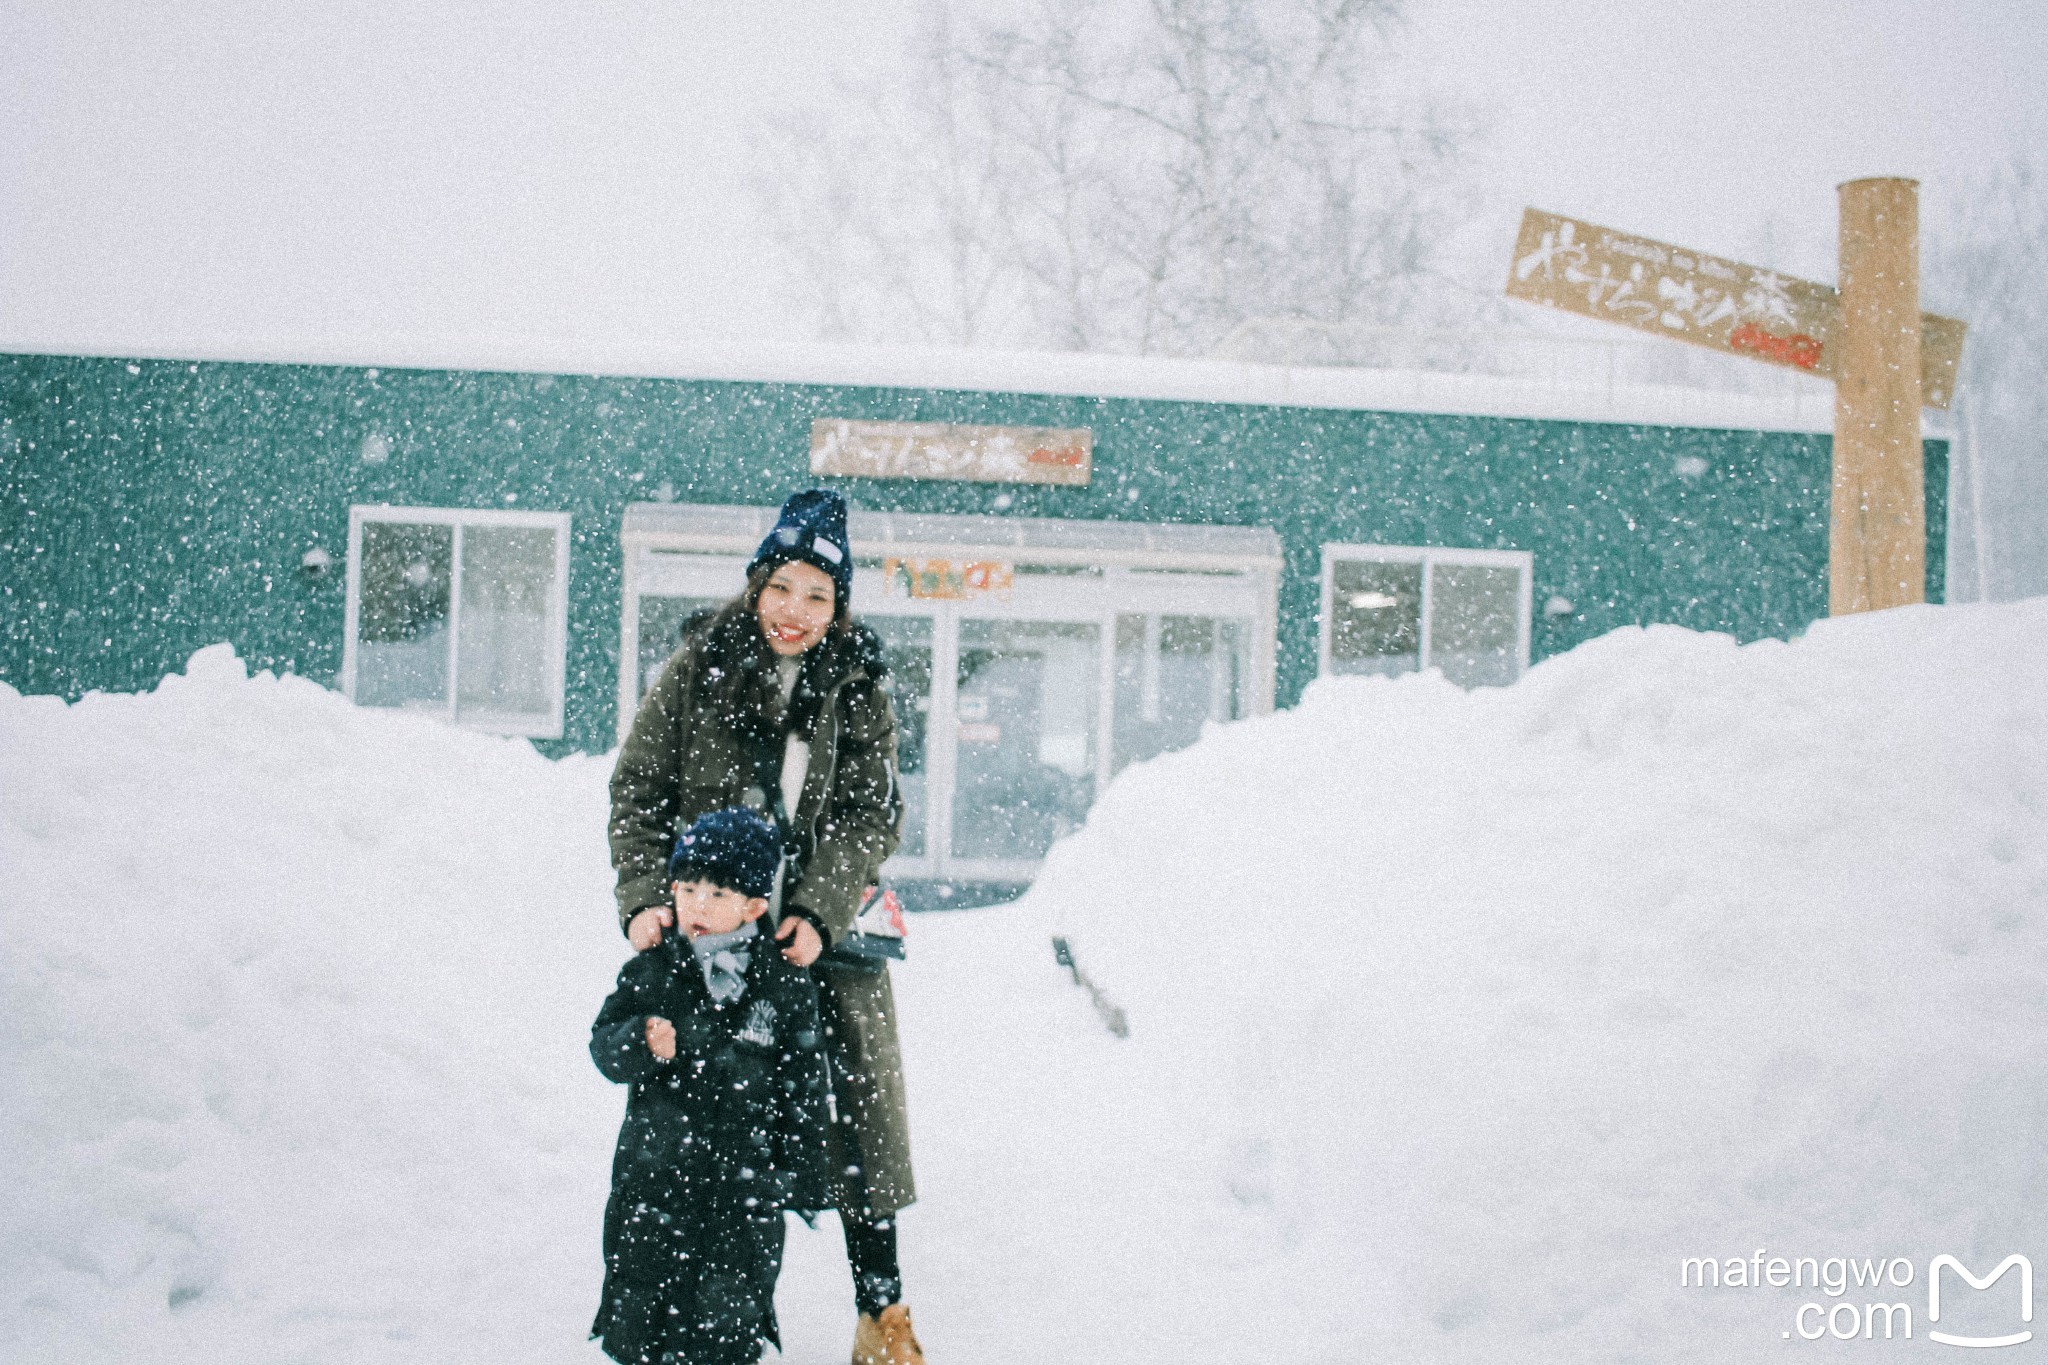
(1691, 296)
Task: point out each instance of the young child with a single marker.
(718, 1035)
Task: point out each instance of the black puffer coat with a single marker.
(716, 1144)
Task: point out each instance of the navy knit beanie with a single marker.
(812, 528)
(733, 848)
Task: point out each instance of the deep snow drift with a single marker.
(1458, 1019)
(1672, 950)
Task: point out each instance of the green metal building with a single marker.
(490, 542)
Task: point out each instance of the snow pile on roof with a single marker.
(1491, 1008)
(1457, 1021)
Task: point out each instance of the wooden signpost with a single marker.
(1887, 358)
(1877, 524)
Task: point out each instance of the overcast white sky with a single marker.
(204, 177)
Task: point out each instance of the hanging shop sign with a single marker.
(943, 450)
(946, 580)
(1688, 295)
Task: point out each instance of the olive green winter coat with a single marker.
(683, 759)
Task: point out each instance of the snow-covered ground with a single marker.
(1457, 1021)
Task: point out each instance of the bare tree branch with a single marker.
(1141, 175)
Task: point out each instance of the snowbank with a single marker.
(1458, 1019)
(284, 1076)
(294, 1000)
(1494, 1007)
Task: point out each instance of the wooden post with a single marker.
(1877, 533)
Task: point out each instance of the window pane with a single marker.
(1172, 674)
(907, 644)
(402, 624)
(1027, 735)
(1474, 623)
(1375, 617)
(503, 664)
(661, 629)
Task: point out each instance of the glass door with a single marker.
(1020, 690)
(907, 645)
(1174, 675)
(1025, 705)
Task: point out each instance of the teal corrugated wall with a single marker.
(148, 508)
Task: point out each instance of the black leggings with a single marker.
(871, 1250)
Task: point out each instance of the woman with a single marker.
(776, 702)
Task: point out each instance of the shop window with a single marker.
(1392, 609)
(459, 613)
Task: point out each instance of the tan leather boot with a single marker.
(887, 1339)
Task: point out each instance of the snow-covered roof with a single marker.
(1810, 408)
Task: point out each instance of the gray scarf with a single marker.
(723, 959)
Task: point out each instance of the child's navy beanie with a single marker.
(733, 847)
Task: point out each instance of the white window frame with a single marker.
(360, 515)
(1428, 556)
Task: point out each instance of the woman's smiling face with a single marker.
(796, 607)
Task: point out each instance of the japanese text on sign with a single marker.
(943, 450)
(1691, 296)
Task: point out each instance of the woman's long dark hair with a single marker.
(739, 677)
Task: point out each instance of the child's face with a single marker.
(708, 908)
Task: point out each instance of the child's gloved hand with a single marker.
(661, 1038)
